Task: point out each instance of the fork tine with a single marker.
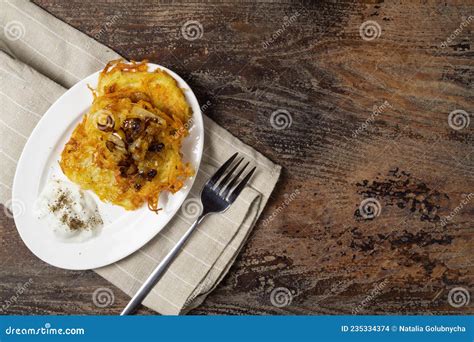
(224, 181)
(234, 180)
(238, 189)
(221, 170)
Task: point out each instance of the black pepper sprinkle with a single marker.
(63, 204)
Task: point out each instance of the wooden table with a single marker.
(368, 89)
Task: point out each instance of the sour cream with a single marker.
(71, 213)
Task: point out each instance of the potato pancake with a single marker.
(127, 147)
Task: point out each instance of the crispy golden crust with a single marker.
(127, 147)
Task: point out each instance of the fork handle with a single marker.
(159, 270)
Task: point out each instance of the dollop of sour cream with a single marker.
(71, 213)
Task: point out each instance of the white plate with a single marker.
(124, 232)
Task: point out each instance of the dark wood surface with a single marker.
(312, 239)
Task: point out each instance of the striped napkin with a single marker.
(40, 58)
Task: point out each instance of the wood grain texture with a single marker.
(309, 61)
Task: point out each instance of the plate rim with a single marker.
(197, 117)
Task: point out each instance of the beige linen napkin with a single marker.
(40, 57)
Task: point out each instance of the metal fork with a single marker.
(217, 195)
